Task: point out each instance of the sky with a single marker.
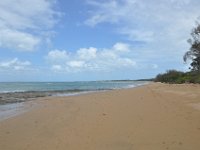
(81, 40)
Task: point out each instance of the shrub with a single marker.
(173, 76)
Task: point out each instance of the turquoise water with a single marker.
(7, 87)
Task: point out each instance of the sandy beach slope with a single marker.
(152, 117)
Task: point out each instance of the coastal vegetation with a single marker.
(178, 77)
(193, 76)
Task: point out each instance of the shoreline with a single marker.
(154, 116)
(19, 103)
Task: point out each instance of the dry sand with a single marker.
(151, 117)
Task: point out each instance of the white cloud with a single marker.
(105, 12)
(76, 64)
(137, 35)
(121, 47)
(14, 64)
(56, 68)
(20, 40)
(87, 53)
(23, 23)
(92, 59)
(55, 56)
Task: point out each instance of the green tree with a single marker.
(194, 53)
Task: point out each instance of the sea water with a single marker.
(8, 87)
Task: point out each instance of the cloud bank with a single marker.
(162, 25)
(14, 65)
(25, 24)
(91, 59)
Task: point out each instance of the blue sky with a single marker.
(62, 40)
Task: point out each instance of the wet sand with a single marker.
(152, 117)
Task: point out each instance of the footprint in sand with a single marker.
(180, 143)
(104, 114)
(163, 142)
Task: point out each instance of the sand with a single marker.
(151, 117)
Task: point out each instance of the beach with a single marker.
(150, 117)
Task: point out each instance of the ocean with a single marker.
(10, 87)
